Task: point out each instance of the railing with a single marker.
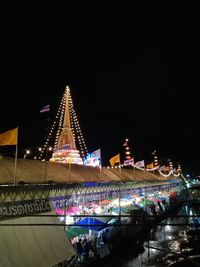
(194, 199)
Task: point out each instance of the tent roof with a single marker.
(35, 245)
(92, 223)
(33, 172)
(76, 231)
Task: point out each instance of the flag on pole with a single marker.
(125, 144)
(162, 168)
(9, 137)
(150, 166)
(129, 162)
(45, 109)
(115, 159)
(139, 164)
(97, 153)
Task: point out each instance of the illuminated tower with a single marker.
(65, 150)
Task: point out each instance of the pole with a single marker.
(100, 173)
(47, 147)
(120, 171)
(119, 204)
(45, 169)
(100, 167)
(69, 173)
(144, 166)
(15, 166)
(145, 197)
(65, 207)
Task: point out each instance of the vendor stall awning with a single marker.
(31, 246)
(92, 224)
(76, 231)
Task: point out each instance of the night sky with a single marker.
(133, 69)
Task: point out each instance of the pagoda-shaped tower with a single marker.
(66, 151)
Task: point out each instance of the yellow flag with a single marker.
(150, 166)
(114, 160)
(9, 137)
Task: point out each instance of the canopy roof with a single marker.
(35, 245)
(33, 172)
(76, 231)
(92, 223)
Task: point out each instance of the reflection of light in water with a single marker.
(169, 237)
(168, 228)
(187, 249)
(186, 209)
(171, 262)
(152, 251)
(172, 241)
(174, 246)
(183, 234)
(191, 212)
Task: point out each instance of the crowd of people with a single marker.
(87, 247)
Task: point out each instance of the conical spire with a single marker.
(66, 151)
(66, 123)
(66, 136)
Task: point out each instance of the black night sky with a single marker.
(133, 69)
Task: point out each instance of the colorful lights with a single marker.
(71, 127)
(91, 160)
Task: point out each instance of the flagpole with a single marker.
(100, 167)
(120, 171)
(44, 110)
(15, 166)
(119, 204)
(100, 172)
(45, 167)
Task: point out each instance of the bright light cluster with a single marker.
(74, 125)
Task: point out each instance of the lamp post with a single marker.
(179, 168)
(27, 152)
(170, 165)
(155, 161)
(48, 148)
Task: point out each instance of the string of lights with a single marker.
(59, 115)
(58, 123)
(75, 127)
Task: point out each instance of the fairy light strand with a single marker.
(58, 123)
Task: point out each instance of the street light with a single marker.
(155, 161)
(27, 152)
(179, 168)
(170, 165)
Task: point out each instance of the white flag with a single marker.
(45, 109)
(129, 162)
(140, 164)
(97, 153)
